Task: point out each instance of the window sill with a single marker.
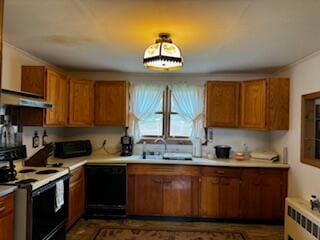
(175, 141)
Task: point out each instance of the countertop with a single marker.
(5, 190)
(103, 158)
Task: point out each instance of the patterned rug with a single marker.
(136, 234)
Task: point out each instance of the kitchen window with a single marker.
(166, 122)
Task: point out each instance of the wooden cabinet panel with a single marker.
(177, 196)
(278, 103)
(81, 102)
(6, 217)
(53, 87)
(209, 196)
(253, 104)
(76, 196)
(111, 103)
(145, 195)
(229, 206)
(263, 194)
(222, 104)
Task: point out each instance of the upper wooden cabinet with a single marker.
(265, 104)
(53, 87)
(81, 102)
(222, 104)
(111, 103)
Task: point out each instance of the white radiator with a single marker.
(301, 223)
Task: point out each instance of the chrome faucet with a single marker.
(161, 139)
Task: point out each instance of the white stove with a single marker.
(36, 176)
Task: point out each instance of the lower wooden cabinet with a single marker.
(76, 196)
(6, 217)
(220, 192)
(263, 194)
(155, 191)
(214, 192)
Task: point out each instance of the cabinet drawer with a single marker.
(263, 172)
(6, 204)
(220, 171)
(166, 170)
(77, 175)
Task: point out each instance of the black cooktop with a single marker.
(49, 171)
(26, 181)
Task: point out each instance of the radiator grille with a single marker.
(304, 222)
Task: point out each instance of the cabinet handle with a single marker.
(2, 208)
(221, 172)
(215, 181)
(157, 180)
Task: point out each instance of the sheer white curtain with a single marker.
(189, 100)
(145, 99)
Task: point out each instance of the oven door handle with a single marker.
(51, 184)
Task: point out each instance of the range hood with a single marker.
(23, 99)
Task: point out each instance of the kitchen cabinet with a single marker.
(263, 194)
(81, 102)
(222, 104)
(265, 104)
(7, 217)
(163, 190)
(76, 196)
(220, 192)
(111, 103)
(53, 87)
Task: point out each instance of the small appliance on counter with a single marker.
(72, 149)
(126, 144)
(222, 151)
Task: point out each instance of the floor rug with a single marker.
(137, 234)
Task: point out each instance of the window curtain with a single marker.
(189, 100)
(145, 99)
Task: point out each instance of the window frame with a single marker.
(166, 121)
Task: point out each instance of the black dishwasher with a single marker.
(106, 191)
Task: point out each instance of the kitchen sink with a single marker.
(168, 156)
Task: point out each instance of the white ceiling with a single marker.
(225, 36)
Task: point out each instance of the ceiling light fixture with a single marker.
(163, 55)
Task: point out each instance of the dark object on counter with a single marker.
(222, 151)
(72, 149)
(126, 145)
(40, 158)
(8, 173)
(35, 140)
(106, 191)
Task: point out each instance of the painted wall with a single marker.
(305, 78)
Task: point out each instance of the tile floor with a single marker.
(88, 229)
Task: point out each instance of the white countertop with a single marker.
(103, 158)
(5, 190)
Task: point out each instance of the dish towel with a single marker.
(59, 195)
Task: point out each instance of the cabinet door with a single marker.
(229, 197)
(145, 195)
(56, 93)
(178, 196)
(222, 104)
(251, 197)
(76, 196)
(209, 196)
(253, 104)
(6, 217)
(111, 103)
(76, 202)
(81, 102)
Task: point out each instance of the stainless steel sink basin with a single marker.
(169, 156)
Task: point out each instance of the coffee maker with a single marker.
(126, 144)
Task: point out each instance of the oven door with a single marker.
(46, 222)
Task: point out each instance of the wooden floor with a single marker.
(88, 229)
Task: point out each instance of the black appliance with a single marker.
(72, 149)
(46, 222)
(126, 145)
(8, 173)
(106, 191)
(222, 151)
